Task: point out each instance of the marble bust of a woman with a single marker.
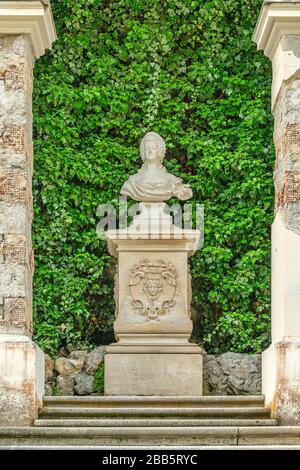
(152, 183)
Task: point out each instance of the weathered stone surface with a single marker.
(16, 63)
(14, 49)
(16, 258)
(79, 355)
(281, 371)
(213, 379)
(290, 189)
(12, 138)
(21, 361)
(94, 359)
(15, 160)
(13, 104)
(292, 217)
(48, 389)
(153, 374)
(13, 76)
(287, 143)
(68, 367)
(13, 249)
(14, 186)
(65, 385)
(15, 312)
(84, 384)
(232, 374)
(14, 218)
(281, 380)
(49, 368)
(21, 382)
(227, 374)
(13, 280)
(292, 100)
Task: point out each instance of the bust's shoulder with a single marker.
(133, 176)
(173, 179)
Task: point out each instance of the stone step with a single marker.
(153, 436)
(138, 412)
(145, 422)
(162, 401)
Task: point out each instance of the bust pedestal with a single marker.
(153, 355)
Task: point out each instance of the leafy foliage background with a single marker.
(189, 70)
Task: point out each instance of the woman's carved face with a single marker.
(152, 148)
(151, 151)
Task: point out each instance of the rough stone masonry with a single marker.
(16, 155)
(26, 31)
(287, 188)
(287, 145)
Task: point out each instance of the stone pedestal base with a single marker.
(281, 380)
(21, 380)
(153, 355)
(157, 370)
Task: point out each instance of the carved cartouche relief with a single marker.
(153, 287)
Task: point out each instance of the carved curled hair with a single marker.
(161, 144)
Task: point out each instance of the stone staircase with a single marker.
(153, 422)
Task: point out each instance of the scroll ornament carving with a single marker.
(153, 287)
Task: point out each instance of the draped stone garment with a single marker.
(158, 187)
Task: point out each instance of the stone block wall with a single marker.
(16, 155)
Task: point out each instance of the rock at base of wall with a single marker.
(226, 374)
(232, 374)
(68, 366)
(84, 384)
(94, 359)
(65, 385)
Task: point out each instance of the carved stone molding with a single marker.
(153, 287)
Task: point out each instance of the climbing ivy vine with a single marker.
(189, 70)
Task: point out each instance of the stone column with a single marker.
(26, 30)
(277, 33)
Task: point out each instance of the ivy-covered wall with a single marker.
(188, 70)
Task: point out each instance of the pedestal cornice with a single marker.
(173, 240)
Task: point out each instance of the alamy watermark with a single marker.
(146, 220)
